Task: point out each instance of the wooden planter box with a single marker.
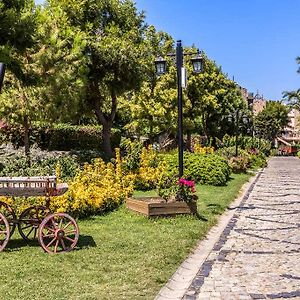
(156, 206)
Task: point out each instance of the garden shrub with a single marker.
(61, 137)
(209, 169)
(144, 162)
(66, 137)
(132, 154)
(97, 188)
(252, 158)
(258, 160)
(150, 171)
(202, 149)
(16, 165)
(239, 164)
(298, 154)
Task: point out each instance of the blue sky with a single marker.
(256, 41)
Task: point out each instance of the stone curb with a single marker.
(180, 281)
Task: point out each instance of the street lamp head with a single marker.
(160, 66)
(198, 62)
(2, 72)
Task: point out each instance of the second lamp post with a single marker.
(236, 118)
(160, 65)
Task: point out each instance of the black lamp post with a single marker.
(2, 72)
(160, 65)
(235, 117)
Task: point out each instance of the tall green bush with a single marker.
(209, 169)
(60, 137)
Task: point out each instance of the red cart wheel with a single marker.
(58, 233)
(10, 216)
(4, 232)
(30, 220)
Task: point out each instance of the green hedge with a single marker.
(61, 137)
(209, 169)
(16, 165)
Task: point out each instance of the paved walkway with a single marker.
(254, 253)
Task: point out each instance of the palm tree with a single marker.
(293, 98)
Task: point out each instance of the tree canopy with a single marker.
(93, 60)
(271, 120)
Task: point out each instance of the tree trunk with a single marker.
(106, 120)
(106, 135)
(189, 141)
(26, 140)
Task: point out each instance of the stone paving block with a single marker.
(170, 294)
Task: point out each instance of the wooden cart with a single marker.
(56, 232)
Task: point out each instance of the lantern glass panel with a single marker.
(160, 65)
(197, 65)
(160, 68)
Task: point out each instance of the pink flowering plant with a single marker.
(186, 190)
(179, 190)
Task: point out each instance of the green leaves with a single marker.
(271, 120)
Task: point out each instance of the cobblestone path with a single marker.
(258, 253)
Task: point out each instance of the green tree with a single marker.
(114, 51)
(211, 97)
(62, 66)
(294, 96)
(17, 28)
(153, 107)
(271, 120)
(17, 43)
(208, 97)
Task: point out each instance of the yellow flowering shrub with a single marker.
(203, 150)
(150, 171)
(19, 204)
(97, 188)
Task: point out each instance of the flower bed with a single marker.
(157, 206)
(177, 198)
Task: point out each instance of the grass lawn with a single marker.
(120, 255)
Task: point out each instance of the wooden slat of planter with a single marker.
(151, 208)
(172, 208)
(138, 206)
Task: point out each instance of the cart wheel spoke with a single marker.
(35, 231)
(25, 227)
(54, 224)
(27, 235)
(51, 242)
(56, 246)
(48, 235)
(70, 231)
(63, 244)
(67, 225)
(60, 223)
(49, 228)
(69, 239)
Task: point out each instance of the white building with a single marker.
(292, 130)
